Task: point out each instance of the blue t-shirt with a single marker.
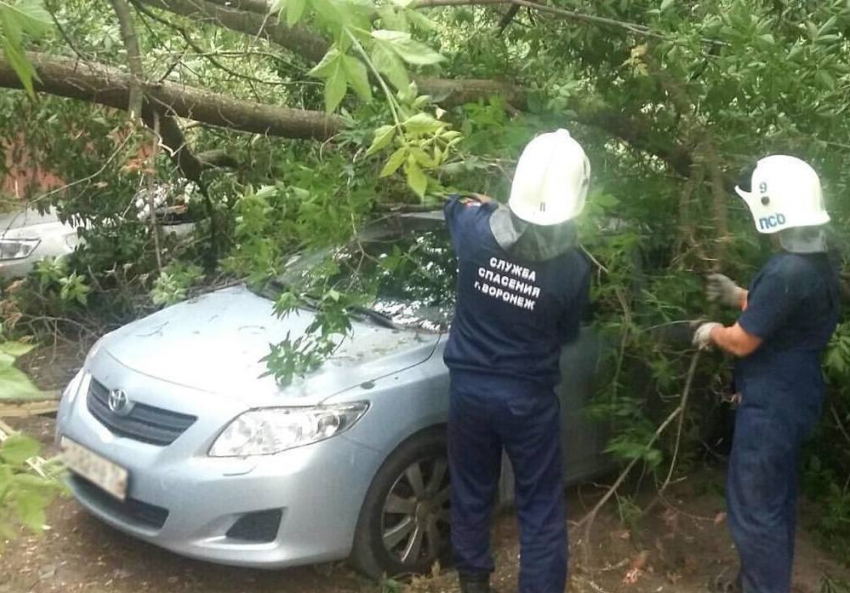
(793, 306)
(512, 315)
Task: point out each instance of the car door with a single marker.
(583, 439)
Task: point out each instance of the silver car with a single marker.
(26, 236)
(176, 435)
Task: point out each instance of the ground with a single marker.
(676, 547)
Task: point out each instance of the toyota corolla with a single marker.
(175, 434)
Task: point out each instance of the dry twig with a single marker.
(590, 517)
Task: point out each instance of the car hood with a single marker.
(13, 223)
(215, 343)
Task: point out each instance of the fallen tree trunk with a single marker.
(106, 85)
(634, 130)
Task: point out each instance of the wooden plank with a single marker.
(50, 395)
(23, 410)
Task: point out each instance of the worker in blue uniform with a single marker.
(521, 291)
(789, 314)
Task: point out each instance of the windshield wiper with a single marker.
(377, 317)
(275, 287)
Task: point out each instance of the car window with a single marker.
(405, 268)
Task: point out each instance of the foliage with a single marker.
(17, 19)
(296, 356)
(24, 495)
(173, 284)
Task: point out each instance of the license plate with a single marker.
(98, 470)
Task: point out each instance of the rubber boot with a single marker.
(475, 583)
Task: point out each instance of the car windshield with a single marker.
(402, 265)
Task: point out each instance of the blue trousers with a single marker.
(761, 491)
(485, 417)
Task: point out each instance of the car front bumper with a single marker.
(180, 499)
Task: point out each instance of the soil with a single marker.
(677, 546)
(51, 368)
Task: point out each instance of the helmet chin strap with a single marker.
(804, 240)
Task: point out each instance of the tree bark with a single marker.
(134, 56)
(259, 6)
(296, 39)
(105, 85)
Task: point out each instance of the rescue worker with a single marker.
(522, 288)
(789, 314)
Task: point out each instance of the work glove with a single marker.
(702, 337)
(721, 288)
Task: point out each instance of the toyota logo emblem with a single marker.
(119, 403)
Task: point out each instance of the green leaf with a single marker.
(30, 509)
(421, 21)
(828, 25)
(383, 136)
(415, 177)
(394, 162)
(332, 69)
(825, 79)
(391, 19)
(16, 449)
(294, 11)
(22, 67)
(423, 159)
(326, 67)
(667, 4)
(410, 50)
(421, 123)
(335, 88)
(16, 19)
(5, 480)
(29, 15)
(389, 64)
(358, 77)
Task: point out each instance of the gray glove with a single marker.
(721, 288)
(702, 337)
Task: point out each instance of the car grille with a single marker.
(130, 510)
(144, 423)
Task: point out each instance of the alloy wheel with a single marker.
(415, 517)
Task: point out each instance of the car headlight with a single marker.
(272, 430)
(17, 248)
(75, 386)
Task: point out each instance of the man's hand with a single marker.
(721, 288)
(702, 337)
(482, 198)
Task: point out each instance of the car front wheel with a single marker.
(404, 523)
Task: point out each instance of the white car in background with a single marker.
(27, 236)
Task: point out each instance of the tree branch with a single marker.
(105, 85)
(258, 6)
(445, 3)
(134, 56)
(296, 39)
(635, 131)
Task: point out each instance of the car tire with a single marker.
(404, 522)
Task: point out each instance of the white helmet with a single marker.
(784, 193)
(551, 180)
